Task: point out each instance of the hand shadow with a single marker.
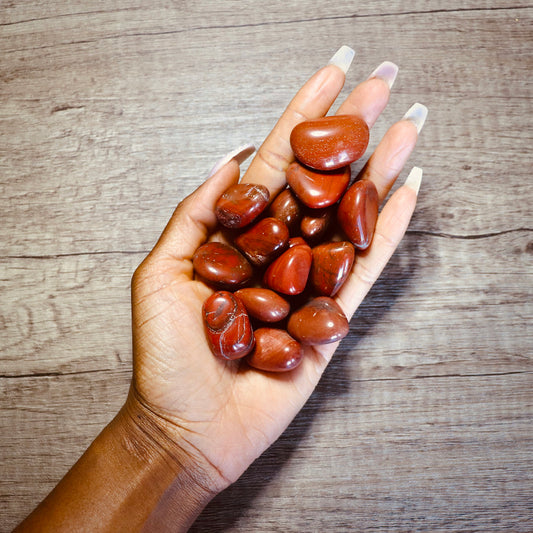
(226, 509)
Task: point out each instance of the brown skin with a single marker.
(192, 424)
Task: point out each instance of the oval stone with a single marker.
(264, 241)
(317, 189)
(241, 204)
(357, 213)
(228, 328)
(320, 321)
(222, 265)
(275, 351)
(285, 207)
(289, 272)
(315, 223)
(264, 304)
(330, 142)
(332, 263)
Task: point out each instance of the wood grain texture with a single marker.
(110, 115)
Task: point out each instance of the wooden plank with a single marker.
(104, 144)
(66, 314)
(433, 454)
(443, 306)
(46, 423)
(437, 454)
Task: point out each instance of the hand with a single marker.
(222, 415)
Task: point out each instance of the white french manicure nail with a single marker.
(239, 154)
(343, 58)
(387, 72)
(414, 179)
(417, 114)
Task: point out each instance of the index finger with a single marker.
(314, 100)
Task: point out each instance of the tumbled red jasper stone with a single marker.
(221, 265)
(275, 351)
(285, 207)
(264, 304)
(330, 142)
(228, 326)
(332, 263)
(289, 272)
(357, 213)
(264, 241)
(316, 222)
(320, 321)
(240, 204)
(317, 189)
(296, 241)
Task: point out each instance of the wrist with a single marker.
(183, 483)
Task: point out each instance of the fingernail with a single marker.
(387, 72)
(414, 179)
(240, 155)
(417, 114)
(342, 58)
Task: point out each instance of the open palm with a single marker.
(225, 414)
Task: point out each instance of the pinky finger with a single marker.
(390, 228)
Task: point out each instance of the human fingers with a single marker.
(194, 218)
(392, 152)
(390, 229)
(370, 97)
(313, 100)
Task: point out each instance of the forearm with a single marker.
(127, 480)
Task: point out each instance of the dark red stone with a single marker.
(289, 272)
(358, 213)
(228, 326)
(317, 189)
(240, 204)
(316, 223)
(264, 304)
(221, 265)
(330, 142)
(264, 241)
(332, 263)
(275, 351)
(285, 207)
(296, 241)
(320, 321)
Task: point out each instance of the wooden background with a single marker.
(111, 112)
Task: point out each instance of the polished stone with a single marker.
(264, 304)
(316, 222)
(222, 265)
(275, 351)
(320, 321)
(285, 207)
(357, 213)
(317, 189)
(228, 328)
(330, 142)
(296, 241)
(289, 272)
(264, 241)
(332, 263)
(241, 204)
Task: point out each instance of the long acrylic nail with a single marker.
(387, 72)
(239, 154)
(414, 179)
(417, 114)
(343, 58)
